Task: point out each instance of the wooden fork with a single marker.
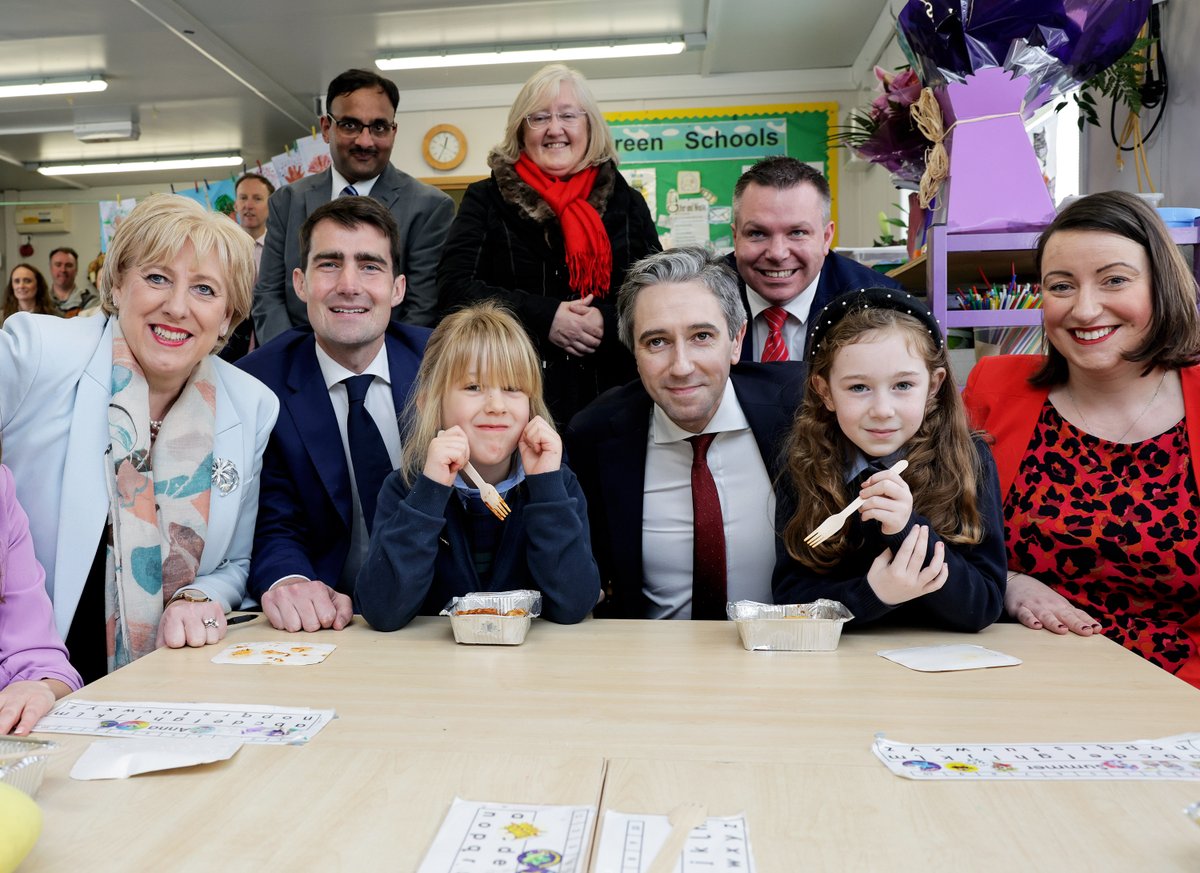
(488, 493)
(834, 523)
(683, 818)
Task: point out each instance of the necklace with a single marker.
(1145, 409)
(156, 426)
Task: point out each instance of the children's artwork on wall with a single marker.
(314, 154)
(194, 191)
(686, 161)
(221, 196)
(112, 213)
(288, 166)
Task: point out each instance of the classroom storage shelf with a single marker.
(963, 258)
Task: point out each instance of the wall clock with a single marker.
(445, 147)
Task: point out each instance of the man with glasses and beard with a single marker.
(360, 127)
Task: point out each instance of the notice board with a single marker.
(685, 162)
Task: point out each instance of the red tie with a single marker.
(774, 349)
(708, 536)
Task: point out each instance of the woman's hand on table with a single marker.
(578, 327)
(898, 578)
(185, 623)
(1040, 607)
(23, 703)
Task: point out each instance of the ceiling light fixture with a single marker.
(541, 53)
(43, 87)
(137, 165)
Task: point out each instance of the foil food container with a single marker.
(496, 618)
(23, 762)
(791, 627)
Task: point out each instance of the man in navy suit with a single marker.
(341, 383)
(677, 467)
(782, 231)
(360, 127)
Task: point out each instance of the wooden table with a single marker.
(637, 716)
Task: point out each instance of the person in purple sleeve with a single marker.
(34, 670)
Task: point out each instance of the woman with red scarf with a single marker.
(551, 233)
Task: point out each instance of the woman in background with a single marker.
(27, 291)
(551, 234)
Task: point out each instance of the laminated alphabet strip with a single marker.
(251, 724)
(1176, 758)
(629, 843)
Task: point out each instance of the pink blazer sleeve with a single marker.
(30, 647)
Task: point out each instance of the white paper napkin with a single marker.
(938, 659)
(118, 759)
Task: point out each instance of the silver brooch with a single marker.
(224, 475)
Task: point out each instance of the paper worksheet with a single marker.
(511, 838)
(251, 724)
(629, 842)
(1175, 757)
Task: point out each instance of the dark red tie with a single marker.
(774, 349)
(708, 536)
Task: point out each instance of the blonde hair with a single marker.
(538, 92)
(943, 465)
(484, 339)
(157, 230)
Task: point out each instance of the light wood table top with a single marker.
(677, 710)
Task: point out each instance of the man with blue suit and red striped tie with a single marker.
(782, 232)
(341, 380)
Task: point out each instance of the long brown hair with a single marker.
(943, 466)
(43, 304)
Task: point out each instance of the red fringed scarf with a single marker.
(589, 251)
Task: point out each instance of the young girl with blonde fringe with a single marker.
(478, 399)
(927, 544)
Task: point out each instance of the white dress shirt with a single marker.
(747, 509)
(382, 407)
(340, 182)
(795, 329)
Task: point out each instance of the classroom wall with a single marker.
(863, 190)
(1171, 155)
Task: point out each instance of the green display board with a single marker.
(686, 161)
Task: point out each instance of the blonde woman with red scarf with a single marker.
(551, 233)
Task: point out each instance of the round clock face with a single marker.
(445, 147)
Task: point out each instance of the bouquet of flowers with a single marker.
(884, 133)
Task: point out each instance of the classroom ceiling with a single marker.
(202, 76)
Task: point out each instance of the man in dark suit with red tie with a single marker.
(782, 231)
(341, 382)
(678, 466)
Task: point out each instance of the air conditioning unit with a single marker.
(42, 218)
(107, 131)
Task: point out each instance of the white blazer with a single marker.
(55, 384)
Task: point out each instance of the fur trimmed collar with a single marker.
(514, 190)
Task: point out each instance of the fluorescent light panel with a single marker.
(535, 54)
(141, 165)
(52, 86)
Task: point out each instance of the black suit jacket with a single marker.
(305, 512)
(838, 275)
(606, 447)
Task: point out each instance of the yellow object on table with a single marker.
(20, 824)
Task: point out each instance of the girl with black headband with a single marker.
(927, 544)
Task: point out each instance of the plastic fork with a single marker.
(488, 494)
(834, 523)
(683, 819)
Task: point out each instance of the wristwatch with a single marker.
(191, 595)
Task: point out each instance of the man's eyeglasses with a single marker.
(538, 120)
(348, 126)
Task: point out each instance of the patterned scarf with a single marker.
(589, 251)
(158, 500)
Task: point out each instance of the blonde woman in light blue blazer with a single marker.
(136, 451)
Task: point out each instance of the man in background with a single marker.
(782, 232)
(252, 192)
(360, 127)
(71, 298)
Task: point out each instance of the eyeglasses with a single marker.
(542, 119)
(353, 127)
